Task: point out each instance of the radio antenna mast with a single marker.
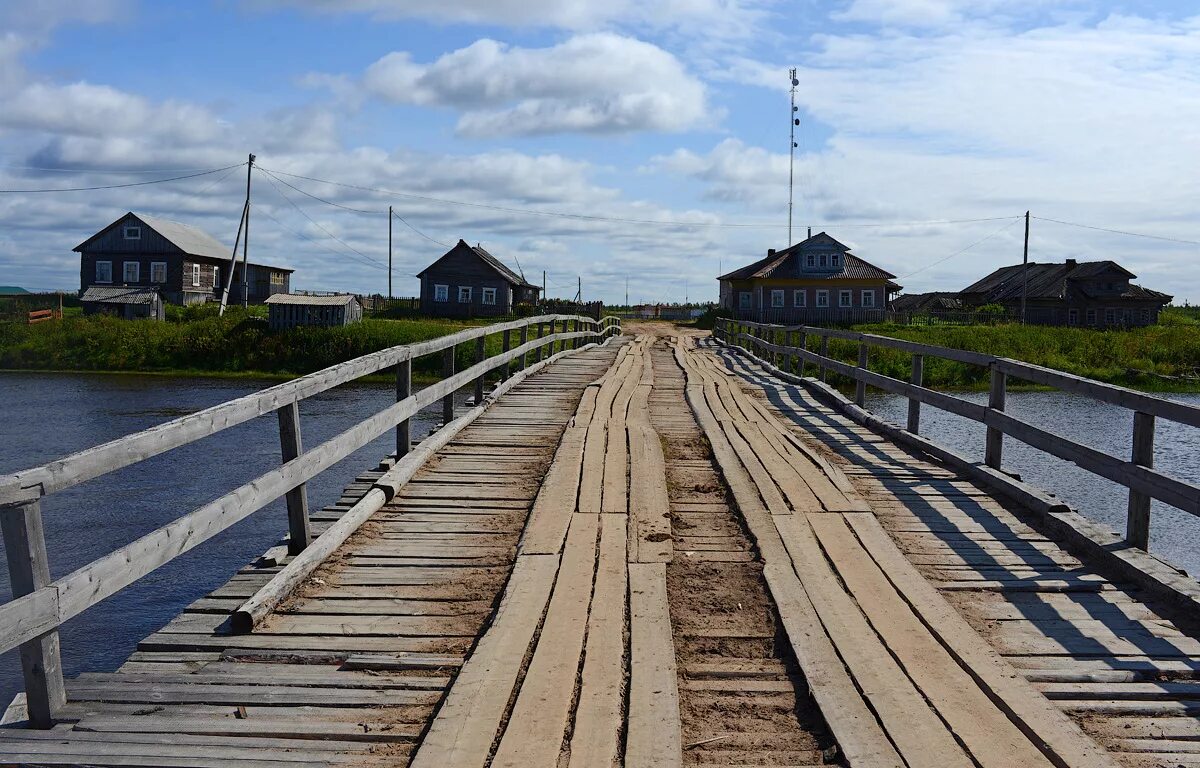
(792, 152)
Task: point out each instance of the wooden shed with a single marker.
(126, 303)
(289, 310)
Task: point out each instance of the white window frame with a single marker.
(132, 232)
(822, 297)
(107, 265)
(799, 297)
(811, 260)
(1072, 316)
(464, 294)
(745, 300)
(195, 274)
(217, 277)
(845, 297)
(441, 293)
(777, 298)
(822, 260)
(835, 259)
(156, 266)
(1091, 316)
(126, 271)
(488, 296)
(868, 297)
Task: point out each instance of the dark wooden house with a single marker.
(815, 281)
(289, 310)
(184, 264)
(122, 302)
(1096, 294)
(467, 281)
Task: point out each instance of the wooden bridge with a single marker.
(652, 549)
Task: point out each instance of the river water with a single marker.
(47, 416)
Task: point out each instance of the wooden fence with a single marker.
(39, 605)
(788, 348)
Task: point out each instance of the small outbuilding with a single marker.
(289, 310)
(123, 302)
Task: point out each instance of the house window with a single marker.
(276, 278)
(868, 298)
(132, 271)
(821, 260)
(812, 260)
(217, 277)
(103, 271)
(799, 297)
(195, 274)
(489, 295)
(1110, 316)
(158, 272)
(776, 298)
(822, 298)
(845, 298)
(835, 259)
(1072, 317)
(133, 233)
(464, 294)
(1091, 317)
(745, 299)
(441, 293)
(1145, 317)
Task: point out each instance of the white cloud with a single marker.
(942, 13)
(594, 83)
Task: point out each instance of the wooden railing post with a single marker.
(524, 340)
(541, 353)
(860, 386)
(403, 392)
(29, 570)
(994, 450)
(291, 445)
(480, 354)
(507, 345)
(914, 405)
(824, 353)
(1137, 527)
(447, 372)
(802, 343)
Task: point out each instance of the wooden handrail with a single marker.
(40, 606)
(1136, 474)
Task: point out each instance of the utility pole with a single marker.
(246, 240)
(544, 285)
(792, 152)
(579, 290)
(1025, 270)
(243, 223)
(626, 291)
(389, 253)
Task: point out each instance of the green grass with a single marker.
(239, 343)
(1151, 358)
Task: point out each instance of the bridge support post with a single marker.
(914, 405)
(507, 345)
(824, 353)
(524, 355)
(448, 400)
(480, 354)
(860, 386)
(994, 450)
(29, 570)
(1137, 526)
(403, 392)
(291, 445)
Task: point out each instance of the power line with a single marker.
(961, 250)
(419, 232)
(1119, 231)
(314, 241)
(116, 171)
(122, 186)
(320, 226)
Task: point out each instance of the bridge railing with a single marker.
(40, 605)
(789, 348)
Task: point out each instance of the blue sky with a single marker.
(913, 111)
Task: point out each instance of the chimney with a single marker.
(770, 252)
(810, 231)
(1072, 263)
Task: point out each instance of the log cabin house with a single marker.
(467, 281)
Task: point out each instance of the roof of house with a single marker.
(784, 263)
(116, 294)
(488, 259)
(336, 300)
(1049, 281)
(923, 302)
(191, 240)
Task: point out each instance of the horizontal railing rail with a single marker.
(40, 606)
(1137, 474)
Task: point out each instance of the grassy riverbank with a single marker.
(237, 344)
(1160, 358)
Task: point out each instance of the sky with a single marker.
(624, 145)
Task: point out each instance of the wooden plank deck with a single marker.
(652, 553)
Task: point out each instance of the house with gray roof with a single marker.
(1096, 294)
(467, 281)
(183, 263)
(817, 280)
